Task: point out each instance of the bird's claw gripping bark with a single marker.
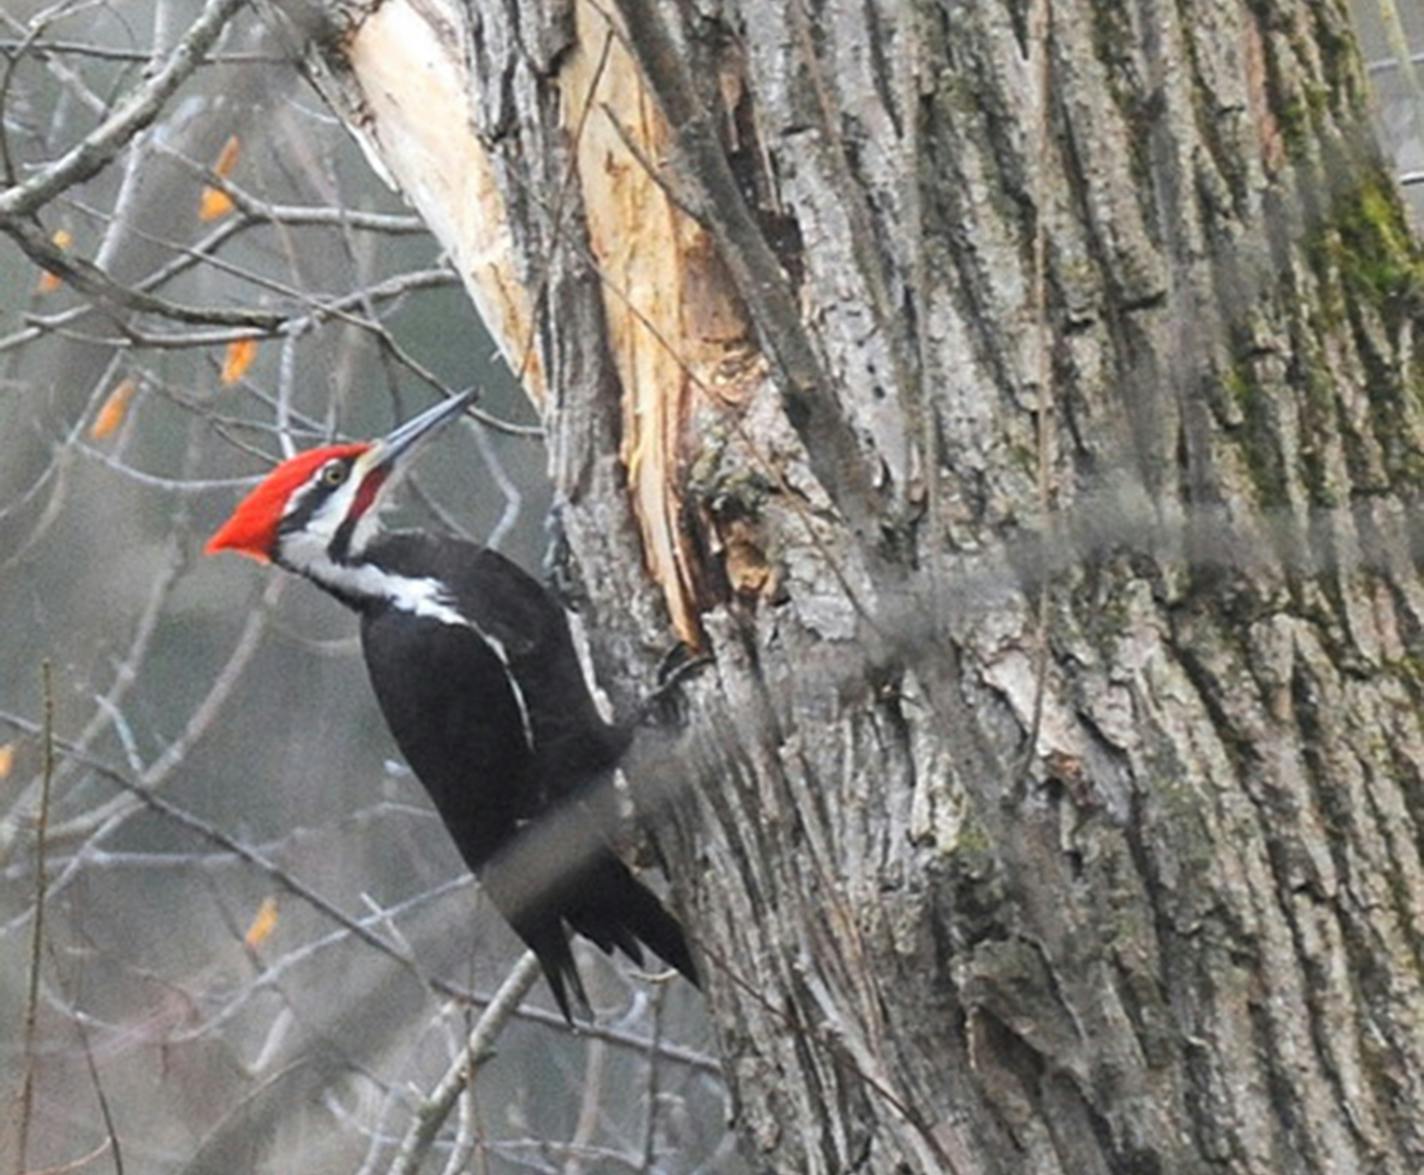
(677, 665)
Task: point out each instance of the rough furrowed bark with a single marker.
(1178, 930)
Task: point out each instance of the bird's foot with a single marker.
(558, 565)
(678, 664)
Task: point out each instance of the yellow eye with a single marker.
(334, 474)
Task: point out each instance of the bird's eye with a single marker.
(334, 474)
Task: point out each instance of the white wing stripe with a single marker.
(499, 651)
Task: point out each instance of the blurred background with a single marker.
(190, 1004)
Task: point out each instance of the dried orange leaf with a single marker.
(238, 358)
(49, 282)
(7, 758)
(214, 204)
(227, 158)
(263, 923)
(115, 407)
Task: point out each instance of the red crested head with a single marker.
(252, 528)
(338, 485)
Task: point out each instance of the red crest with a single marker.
(252, 528)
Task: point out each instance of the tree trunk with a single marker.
(1036, 473)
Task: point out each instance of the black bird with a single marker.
(476, 674)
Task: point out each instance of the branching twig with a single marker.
(118, 53)
(97, 149)
(358, 928)
(40, 324)
(432, 1112)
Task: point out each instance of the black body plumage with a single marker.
(494, 717)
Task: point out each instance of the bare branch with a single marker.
(41, 46)
(432, 1112)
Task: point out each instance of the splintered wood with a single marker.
(676, 329)
(677, 333)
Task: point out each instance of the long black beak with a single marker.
(401, 440)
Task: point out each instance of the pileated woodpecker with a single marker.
(476, 674)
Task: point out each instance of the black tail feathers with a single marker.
(648, 919)
(550, 944)
(613, 909)
(623, 912)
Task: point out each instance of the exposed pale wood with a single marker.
(409, 105)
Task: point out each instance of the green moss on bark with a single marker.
(1367, 240)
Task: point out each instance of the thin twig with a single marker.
(590, 1105)
(292, 215)
(32, 1000)
(40, 324)
(650, 1122)
(113, 295)
(10, 45)
(105, 1112)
